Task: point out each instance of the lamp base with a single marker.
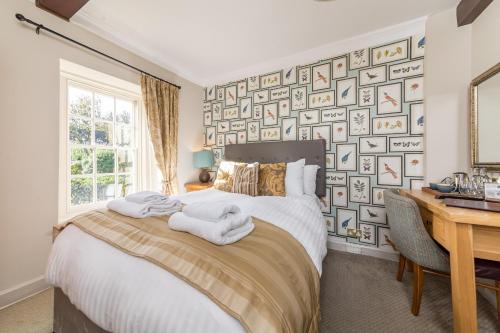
(204, 176)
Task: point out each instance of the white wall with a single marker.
(447, 75)
(191, 135)
(485, 40)
(29, 124)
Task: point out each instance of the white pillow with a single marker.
(310, 172)
(294, 178)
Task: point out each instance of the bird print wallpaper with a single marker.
(368, 106)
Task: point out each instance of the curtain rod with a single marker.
(39, 27)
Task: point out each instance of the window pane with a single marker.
(123, 136)
(125, 185)
(79, 131)
(124, 111)
(82, 161)
(81, 191)
(80, 101)
(105, 159)
(104, 106)
(125, 160)
(105, 188)
(103, 133)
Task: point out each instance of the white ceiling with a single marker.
(212, 41)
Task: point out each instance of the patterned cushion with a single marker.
(246, 177)
(224, 179)
(272, 179)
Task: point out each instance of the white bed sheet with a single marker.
(125, 294)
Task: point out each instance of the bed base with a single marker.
(68, 319)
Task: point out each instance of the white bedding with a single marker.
(125, 294)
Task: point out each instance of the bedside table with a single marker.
(197, 186)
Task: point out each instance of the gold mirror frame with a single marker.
(473, 118)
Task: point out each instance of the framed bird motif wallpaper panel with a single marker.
(366, 104)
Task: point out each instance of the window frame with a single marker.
(81, 77)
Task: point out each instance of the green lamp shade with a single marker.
(203, 159)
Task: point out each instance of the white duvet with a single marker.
(125, 294)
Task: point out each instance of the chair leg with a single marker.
(497, 284)
(401, 268)
(418, 285)
(409, 265)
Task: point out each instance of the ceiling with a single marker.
(209, 41)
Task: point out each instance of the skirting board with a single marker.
(342, 245)
(22, 291)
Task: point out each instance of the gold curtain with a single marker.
(161, 100)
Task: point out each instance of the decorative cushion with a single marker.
(225, 176)
(272, 179)
(246, 177)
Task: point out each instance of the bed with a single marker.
(100, 289)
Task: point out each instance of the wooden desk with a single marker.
(466, 234)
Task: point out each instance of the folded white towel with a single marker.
(226, 231)
(211, 211)
(143, 210)
(146, 197)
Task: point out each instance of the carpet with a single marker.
(361, 294)
(358, 294)
(32, 315)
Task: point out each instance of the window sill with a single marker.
(80, 210)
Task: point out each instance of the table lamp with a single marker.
(203, 159)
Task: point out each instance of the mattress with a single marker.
(122, 294)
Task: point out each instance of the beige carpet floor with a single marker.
(33, 315)
(359, 294)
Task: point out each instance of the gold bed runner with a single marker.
(266, 280)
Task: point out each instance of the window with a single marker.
(101, 135)
(101, 144)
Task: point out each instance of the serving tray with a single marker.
(453, 195)
(473, 204)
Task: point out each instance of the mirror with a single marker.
(485, 119)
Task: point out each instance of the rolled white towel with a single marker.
(227, 231)
(211, 211)
(146, 197)
(139, 211)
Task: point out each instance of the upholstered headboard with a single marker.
(314, 151)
